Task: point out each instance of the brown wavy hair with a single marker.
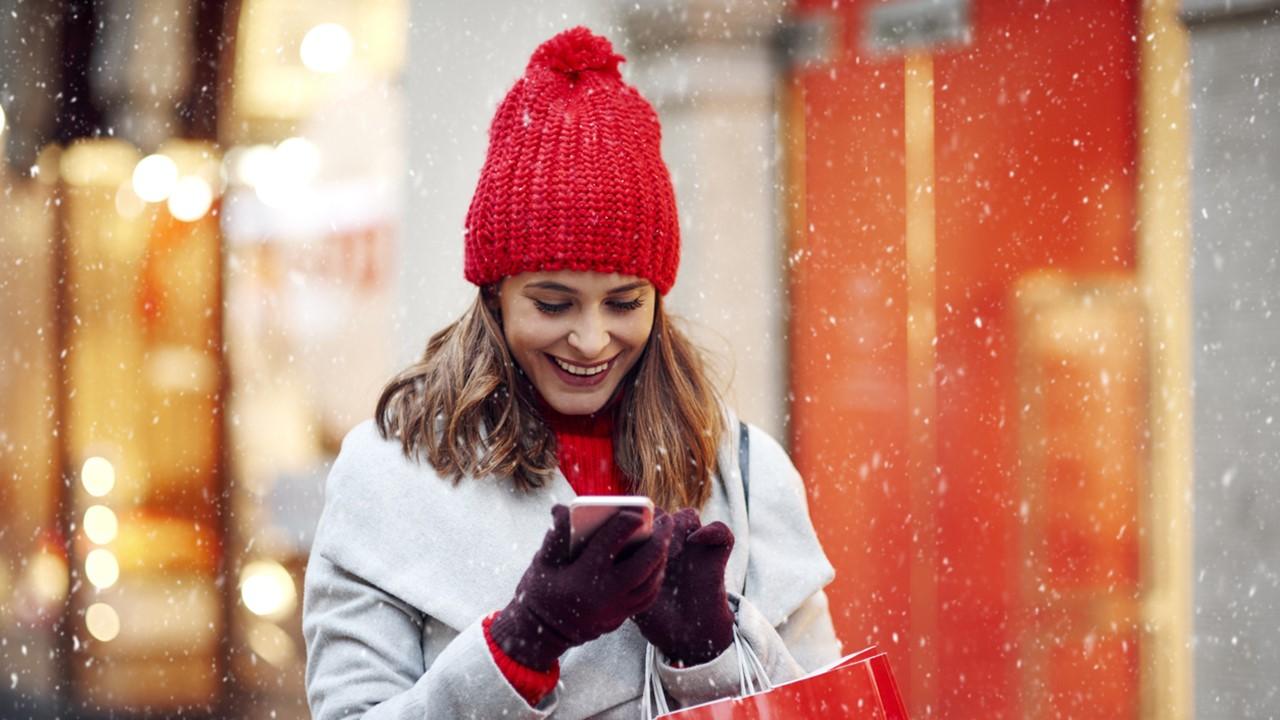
(468, 409)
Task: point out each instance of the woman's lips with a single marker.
(569, 378)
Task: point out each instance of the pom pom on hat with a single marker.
(574, 177)
(576, 50)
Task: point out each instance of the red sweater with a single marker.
(585, 454)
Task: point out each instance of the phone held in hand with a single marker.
(588, 512)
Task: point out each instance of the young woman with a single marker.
(435, 589)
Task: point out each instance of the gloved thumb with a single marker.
(716, 534)
(555, 545)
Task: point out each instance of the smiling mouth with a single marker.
(582, 370)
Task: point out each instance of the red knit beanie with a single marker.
(574, 178)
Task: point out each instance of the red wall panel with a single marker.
(1035, 147)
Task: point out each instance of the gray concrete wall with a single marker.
(710, 71)
(1236, 299)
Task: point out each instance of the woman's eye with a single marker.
(551, 308)
(628, 305)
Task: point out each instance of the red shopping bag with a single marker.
(858, 686)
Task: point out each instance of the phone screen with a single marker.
(589, 512)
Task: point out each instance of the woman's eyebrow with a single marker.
(550, 285)
(558, 287)
(628, 287)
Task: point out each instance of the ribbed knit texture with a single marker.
(585, 452)
(531, 684)
(574, 177)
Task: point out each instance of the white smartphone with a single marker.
(588, 512)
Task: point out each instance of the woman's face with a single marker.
(575, 334)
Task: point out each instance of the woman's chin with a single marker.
(577, 404)
(568, 400)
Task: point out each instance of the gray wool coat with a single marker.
(405, 566)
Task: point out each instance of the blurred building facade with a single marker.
(954, 253)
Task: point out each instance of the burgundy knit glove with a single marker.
(691, 621)
(563, 601)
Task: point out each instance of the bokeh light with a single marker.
(191, 198)
(47, 578)
(267, 589)
(281, 178)
(272, 643)
(248, 165)
(326, 48)
(102, 568)
(154, 177)
(100, 524)
(299, 157)
(98, 476)
(102, 621)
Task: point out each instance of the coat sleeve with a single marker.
(365, 658)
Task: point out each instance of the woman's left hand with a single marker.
(691, 621)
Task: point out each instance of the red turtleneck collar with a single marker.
(585, 445)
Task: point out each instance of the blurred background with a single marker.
(1002, 275)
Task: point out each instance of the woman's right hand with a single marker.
(564, 601)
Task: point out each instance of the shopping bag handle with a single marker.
(744, 471)
(752, 677)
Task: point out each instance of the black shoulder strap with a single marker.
(744, 465)
(744, 469)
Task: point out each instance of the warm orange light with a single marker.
(102, 621)
(128, 204)
(100, 524)
(102, 568)
(46, 578)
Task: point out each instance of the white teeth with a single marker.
(576, 370)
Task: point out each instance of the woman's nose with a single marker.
(589, 337)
